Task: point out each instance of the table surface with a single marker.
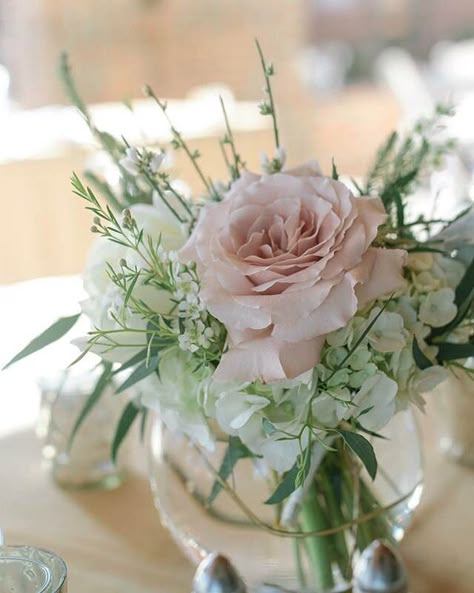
(113, 541)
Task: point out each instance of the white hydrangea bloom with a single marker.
(407, 307)
(438, 308)
(375, 402)
(178, 395)
(448, 270)
(242, 414)
(420, 261)
(426, 281)
(388, 333)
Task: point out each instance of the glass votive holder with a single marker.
(25, 569)
(87, 463)
(454, 403)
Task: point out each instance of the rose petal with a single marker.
(379, 273)
(268, 360)
(334, 312)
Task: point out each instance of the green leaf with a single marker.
(124, 424)
(131, 362)
(236, 450)
(268, 426)
(142, 371)
(103, 381)
(363, 449)
(465, 288)
(50, 335)
(372, 433)
(422, 361)
(357, 186)
(335, 174)
(143, 424)
(451, 351)
(294, 478)
(130, 288)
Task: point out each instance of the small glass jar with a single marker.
(454, 402)
(87, 463)
(25, 569)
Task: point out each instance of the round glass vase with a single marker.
(454, 406)
(310, 541)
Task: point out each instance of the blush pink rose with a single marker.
(285, 259)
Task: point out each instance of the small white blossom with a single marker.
(280, 155)
(438, 308)
(131, 161)
(156, 160)
(276, 163)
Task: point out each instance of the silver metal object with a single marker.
(216, 574)
(380, 570)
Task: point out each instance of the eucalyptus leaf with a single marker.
(293, 479)
(131, 362)
(235, 450)
(125, 422)
(451, 351)
(143, 422)
(422, 361)
(142, 371)
(363, 449)
(50, 335)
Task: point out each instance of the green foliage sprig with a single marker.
(400, 164)
(131, 191)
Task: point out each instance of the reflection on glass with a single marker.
(24, 569)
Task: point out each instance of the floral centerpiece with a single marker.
(281, 319)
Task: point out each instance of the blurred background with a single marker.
(349, 71)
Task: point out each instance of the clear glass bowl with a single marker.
(25, 569)
(454, 406)
(352, 514)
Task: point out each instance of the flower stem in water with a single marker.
(313, 517)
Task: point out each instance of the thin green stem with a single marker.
(334, 511)
(268, 89)
(180, 199)
(179, 138)
(156, 187)
(235, 170)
